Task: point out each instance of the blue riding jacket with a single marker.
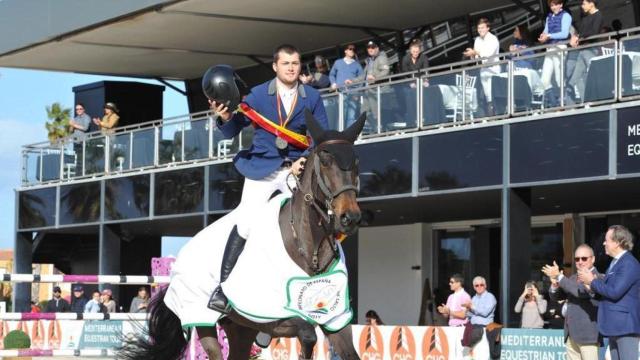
(263, 157)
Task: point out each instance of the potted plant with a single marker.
(17, 339)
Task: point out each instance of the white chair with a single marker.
(607, 51)
(466, 91)
(224, 147)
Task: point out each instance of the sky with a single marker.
(24, 94)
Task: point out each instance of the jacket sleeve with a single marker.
(542, 305)
(237, 122)
(519, 304)
(382, 68)
(333, 73)
(49, 307)
(320, 114)
(617, 287)
(574, 288)
(65, 306)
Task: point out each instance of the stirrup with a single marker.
(219, 301)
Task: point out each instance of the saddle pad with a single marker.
(265, 279)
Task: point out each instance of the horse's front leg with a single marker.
(209, 341)
(295, 327)
(342, 342)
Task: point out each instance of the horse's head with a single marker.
(332, 172)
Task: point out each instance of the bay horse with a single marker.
(322, 207)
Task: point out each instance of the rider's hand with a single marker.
(298, 166)
(220, 110)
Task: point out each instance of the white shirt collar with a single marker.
(617, 257)
(284, 90)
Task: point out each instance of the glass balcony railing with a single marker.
(533, 80)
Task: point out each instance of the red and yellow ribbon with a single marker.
(293, 138)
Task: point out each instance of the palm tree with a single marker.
(58, 128)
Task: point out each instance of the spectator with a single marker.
(553, 316)
(556, 30)
(109, 120)
(140, 303)
(57, 304)
(34, 307)
(78, 301)
(346, 70)
(521, 41)
(318, 79)
(343, 73)
(377, 67)
(94, 305)
(415, 60)
(453, 309)
(480, 311)
(107, 300)
(532, 305)
(80, 122)
(619, 290)
(580, 328)
(590, 25)
(485, 47)
(372, 318)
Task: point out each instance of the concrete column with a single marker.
(22, 260)
(480, 253)
(109, 254)
(516, 249)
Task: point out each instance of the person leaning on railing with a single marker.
(556, 30)
(590, 25)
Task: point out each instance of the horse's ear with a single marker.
(352, 132)
(315, 129)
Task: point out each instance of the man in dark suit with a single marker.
(619, 308)
(580, 328)
(277, 109)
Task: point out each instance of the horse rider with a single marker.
(279, 148)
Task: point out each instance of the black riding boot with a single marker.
(232, 251)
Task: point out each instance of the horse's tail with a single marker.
(163, 340)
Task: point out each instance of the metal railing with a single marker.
(530, 81)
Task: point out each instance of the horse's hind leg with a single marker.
(240, 340)
(342, 342)
(209, 341)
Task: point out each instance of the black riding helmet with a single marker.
(219, 85)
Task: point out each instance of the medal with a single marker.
(281, 143)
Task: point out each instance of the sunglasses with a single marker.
(582, 258)
(478, 285)
(351, 48)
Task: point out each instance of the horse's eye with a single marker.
(325, 158)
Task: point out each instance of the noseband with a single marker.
(328, 214)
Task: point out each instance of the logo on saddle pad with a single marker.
(318, 299)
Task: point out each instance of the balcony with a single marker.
(454, 95)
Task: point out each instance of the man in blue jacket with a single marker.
(619, 309)
(277, 109)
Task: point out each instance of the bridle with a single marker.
(327, 214)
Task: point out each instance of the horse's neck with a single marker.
(307, 233)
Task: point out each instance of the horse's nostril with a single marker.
(350, 217)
